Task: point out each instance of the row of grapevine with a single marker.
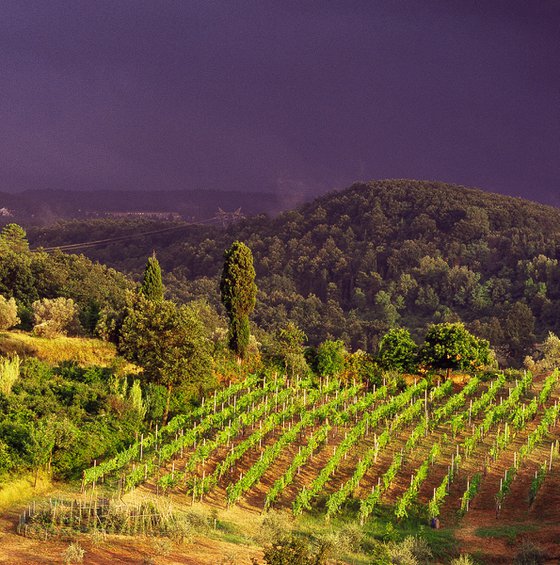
(313, 443)
(234, 428)
(325, 410)
(411, 493)
(498, 413)
(371, 419)
(547, 422)
(146, 443)
(459, 421)
(368, 504)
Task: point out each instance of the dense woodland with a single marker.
(355, 263)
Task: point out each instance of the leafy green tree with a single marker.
(239, 293)
(519, 327)
(169, 342)
(152, 284)
(451, 346)
(397, 351)
(330, 357)
(361, 367)
(290, 342)
(8, 313)
(549, 358)
(56, 316)
(16, 276)
(15, 238)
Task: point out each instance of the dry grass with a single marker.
(84, 351)
(20, 491)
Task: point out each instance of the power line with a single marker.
(95, 243)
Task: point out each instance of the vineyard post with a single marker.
(551, 453)
(156, 436)
(426, 409)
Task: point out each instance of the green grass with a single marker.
(507, 532)
(381, 527)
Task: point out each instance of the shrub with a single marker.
(293, 551)
(274, 526)
(411, 551)
(462, 560)
(529, 554)
(74, 553)
(9, 373)
(8, 313)
(56, 316)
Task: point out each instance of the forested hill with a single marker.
(355, 262)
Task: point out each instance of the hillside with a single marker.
(350, 468)
(353, 263)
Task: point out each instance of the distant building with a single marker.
(169, 216)
(5, 213)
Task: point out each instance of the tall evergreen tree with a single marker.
(152, 285)
(239, 294)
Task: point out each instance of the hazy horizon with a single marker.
(302, 99)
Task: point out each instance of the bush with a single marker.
(529, 554)
(8, 313)
(462, 560)
(293, 551)
(9, 373)
(411, 551)
(74, 553)
(54, 317)
(347, 539)
(274, 526)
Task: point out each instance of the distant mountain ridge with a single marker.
(43, 207)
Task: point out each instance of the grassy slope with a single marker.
(84, 351)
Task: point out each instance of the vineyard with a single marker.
(428, 450)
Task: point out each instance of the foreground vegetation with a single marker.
(177, 406)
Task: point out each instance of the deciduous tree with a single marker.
(397, 351)
(168, 341)
(450, 346)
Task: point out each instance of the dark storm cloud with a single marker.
(300, 96)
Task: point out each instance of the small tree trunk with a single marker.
(448, 373)
(166, 413)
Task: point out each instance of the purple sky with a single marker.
(280, 95)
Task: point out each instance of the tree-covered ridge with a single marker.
(354, 263)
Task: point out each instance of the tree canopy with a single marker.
(451, 346)
(168, 342)
(397, 351)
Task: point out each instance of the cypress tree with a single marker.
(152, 285)
(239, 294)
